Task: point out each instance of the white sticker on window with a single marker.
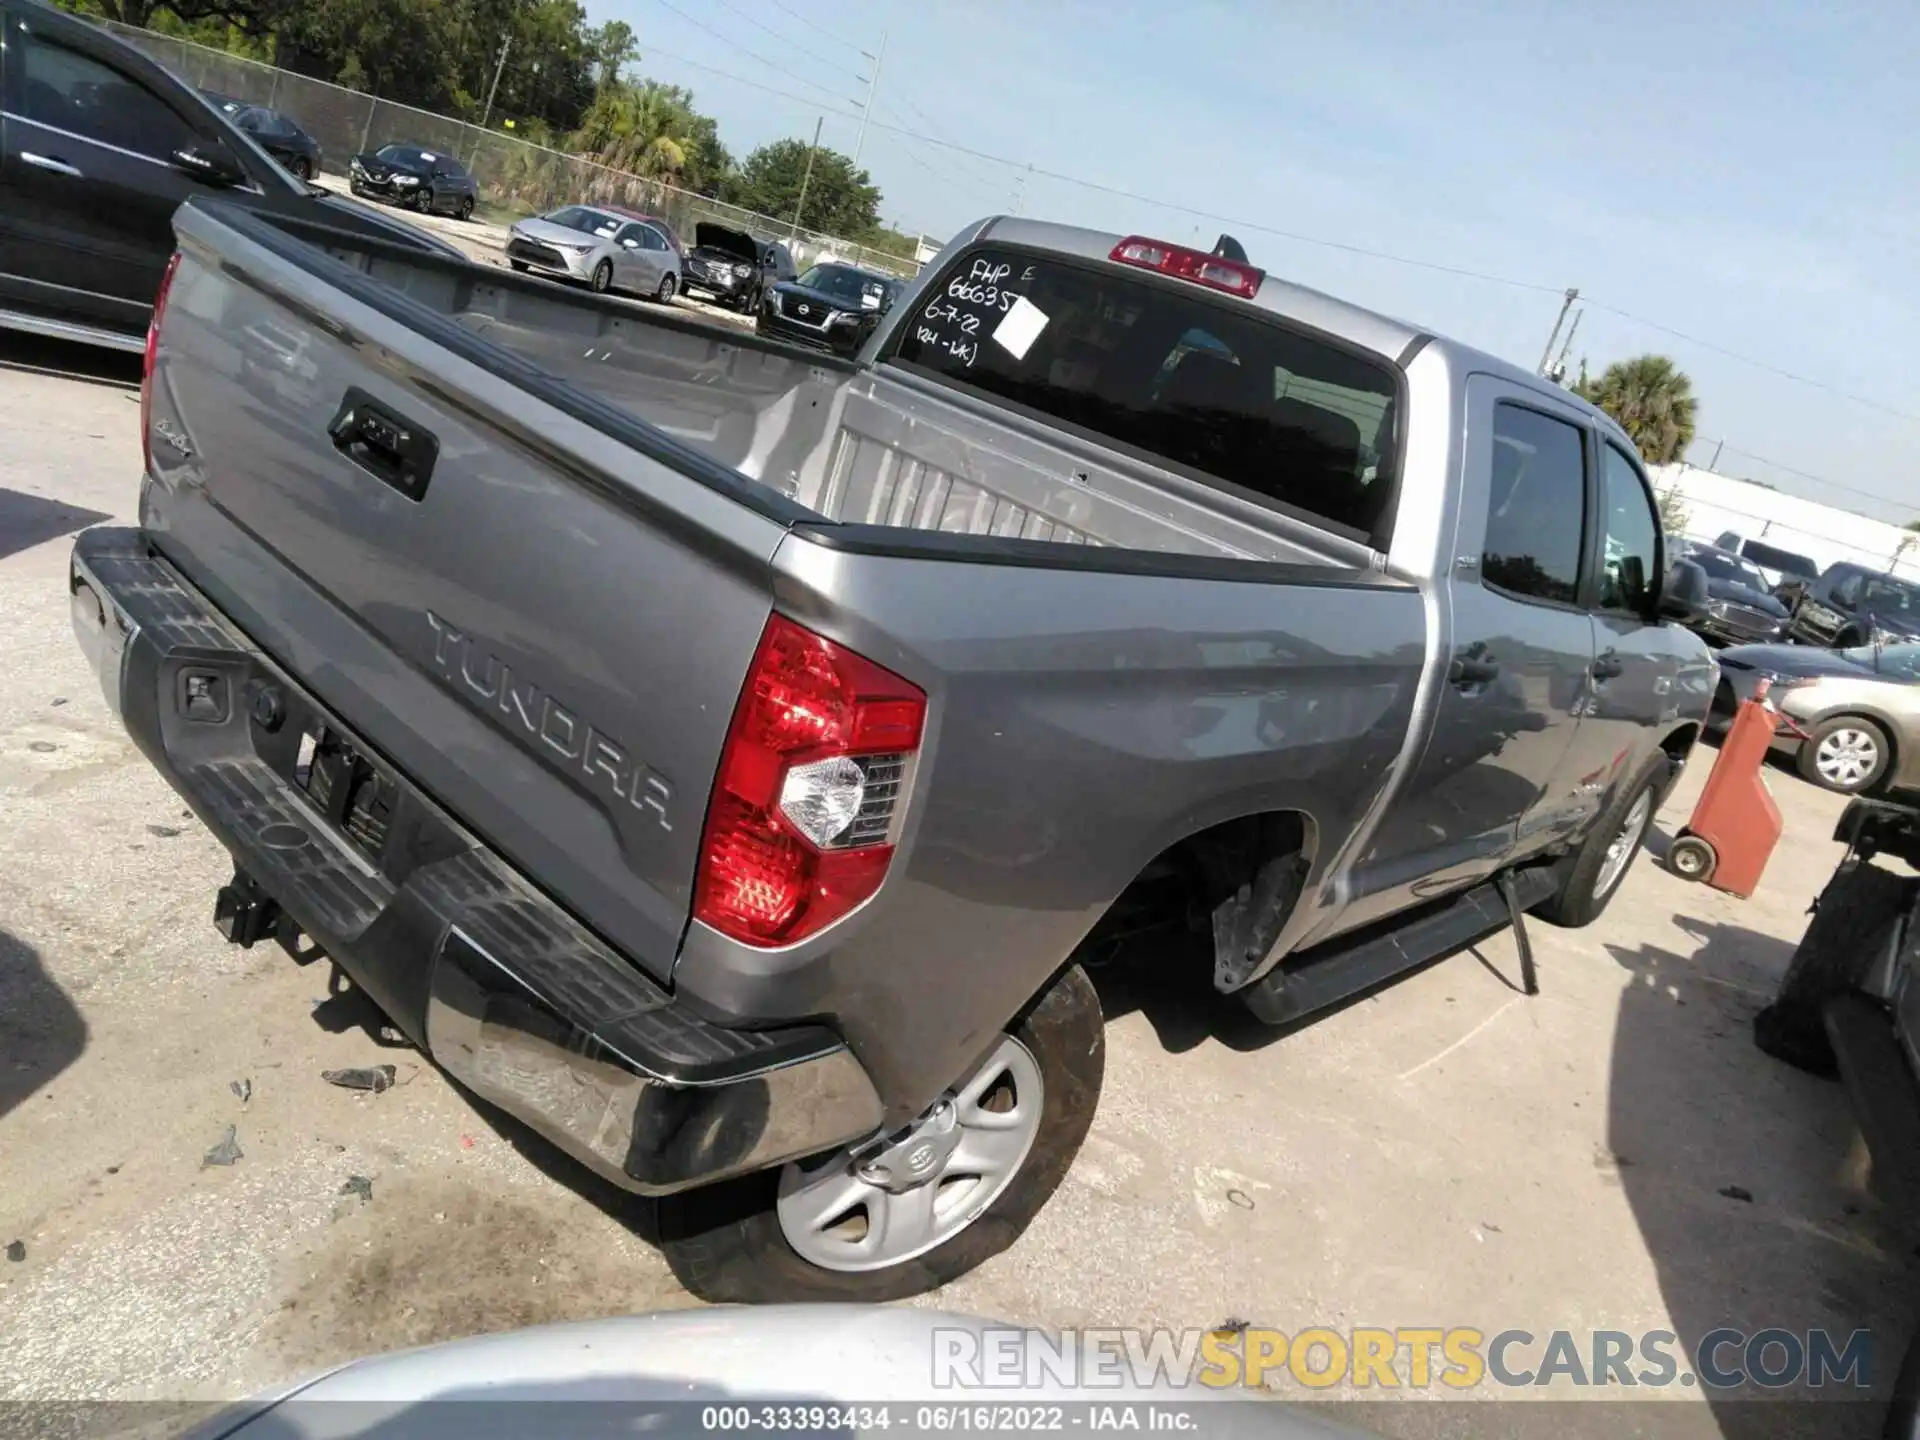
(1020, 327)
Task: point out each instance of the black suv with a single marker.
(98, 147)
(1853, 605)
(414, 176)
(733, 267)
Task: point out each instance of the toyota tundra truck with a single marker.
(719, 756)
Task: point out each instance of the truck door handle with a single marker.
(53, 163)
(1473, 668)
(1608, 667)
(384, 443)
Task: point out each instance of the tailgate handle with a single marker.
(384, 443)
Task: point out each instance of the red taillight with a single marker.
(1184, 264)
(146, 366)
(801, 827)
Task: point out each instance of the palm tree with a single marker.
(1653, 401)
(640, 129)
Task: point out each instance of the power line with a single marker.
(1770, 368)
(959, 164)
(1806, 475)
(785, 40)
(813, 25)
(1320, 240)
(736, 46)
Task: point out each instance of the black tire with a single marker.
(519, 265)
(1692, 858)
(667, 286)
(465, 212)
(1851, 919)
(1575, 904)
(602, 280)
(1807, 761)
(301, 167)
(726, 1246)
(423, 200)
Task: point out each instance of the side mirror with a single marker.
(631, 243)
(209, 163)
(1685, 593)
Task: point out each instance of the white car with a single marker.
(608, 251)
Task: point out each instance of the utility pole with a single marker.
(1559, 373)
(805, 177)
(494, 88)
(873, 83)
(1558, 321)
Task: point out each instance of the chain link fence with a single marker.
(512, 175)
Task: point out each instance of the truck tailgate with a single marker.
(501, 588)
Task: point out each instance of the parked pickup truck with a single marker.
(719, 755)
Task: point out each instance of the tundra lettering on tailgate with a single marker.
(479, 675)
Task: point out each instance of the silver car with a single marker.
(1850, 718)
(607, 250)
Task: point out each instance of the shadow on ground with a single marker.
(30, 520)
(41, 1032)
(1733, 1162)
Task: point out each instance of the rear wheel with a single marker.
(301, 167)
(603, 277)
(1848, 753)
(1602, 861)
(665, 293)
(465, 212)
(903, 1215)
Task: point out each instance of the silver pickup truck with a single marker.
(721, 756)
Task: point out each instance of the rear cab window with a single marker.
(1171, 372)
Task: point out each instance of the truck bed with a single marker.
(870, 446)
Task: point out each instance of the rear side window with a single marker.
(89, 98)
(1207, 385)
(1535, 506)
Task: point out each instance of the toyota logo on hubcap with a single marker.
(920, 1158)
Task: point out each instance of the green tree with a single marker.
(841, 199)
(653, 131)
(1653, 401)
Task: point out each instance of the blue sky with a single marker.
(1745, 174)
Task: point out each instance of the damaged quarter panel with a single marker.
(1077, 729)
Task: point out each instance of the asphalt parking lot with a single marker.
(1447, 1152)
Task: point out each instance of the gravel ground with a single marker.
(1446, 1152)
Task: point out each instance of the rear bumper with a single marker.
(506, 991)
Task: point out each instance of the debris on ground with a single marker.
(1737, 1192)
(44, 747)
(1240, 1198)
(226, 1152)
(58, 701)
(466, 1142)
(1232, 1325)
(358, 1185)
(371, 1078)
(16, 1250)
(243, 1088)
(165, 832)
